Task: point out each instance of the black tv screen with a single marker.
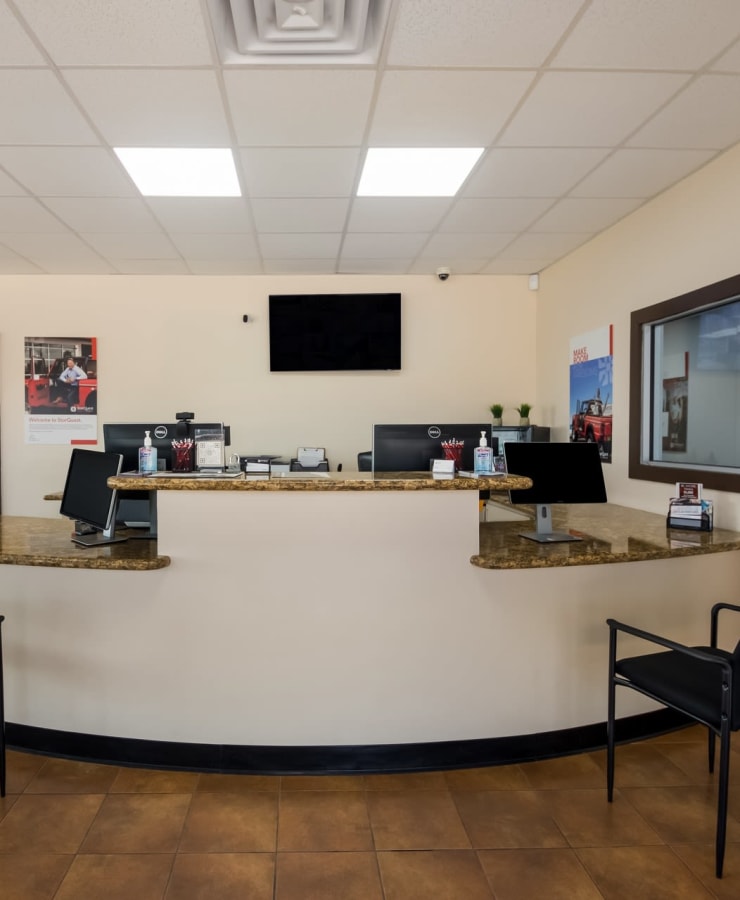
(335, 332)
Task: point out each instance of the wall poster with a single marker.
(591, 357)
(61, 390)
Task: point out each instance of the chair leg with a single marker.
(724, 781)
(610, 718)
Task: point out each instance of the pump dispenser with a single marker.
(482, 456)
(147, 455)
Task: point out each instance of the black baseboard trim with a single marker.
(337, 760)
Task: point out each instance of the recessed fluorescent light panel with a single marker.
(181, 172)
(416, 171)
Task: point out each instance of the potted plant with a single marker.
(497, 411)
(524, 410)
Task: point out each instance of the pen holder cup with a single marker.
(454, 452)
(183, 454)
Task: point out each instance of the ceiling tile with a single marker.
(10, 188)
(202, 215)
(131, 246)
(349, 266)
(729, 61)
(633, 34)
(588, 109)
(299, 246)
(531, 171)
(58, 253)
(462, 266)
(103, 214)
(16, 48)
(307, 107)
(213, 247)
(506, 266)
(503, 214)
(306, 215)
(153, 108)
(385, 246)
(585, 214)
(150, 266)
(27, 215)
(441, 33)
(302, 266)
(549, 246)
(397, 214)
(640, 173)
(130, 33)
(691, 119)
(291, 172)
(473, 244)
(67, 171)
(445, 109)
(225, 266)
(42, 110)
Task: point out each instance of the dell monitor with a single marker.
(87, 498)
(561, 473)
(411, 448)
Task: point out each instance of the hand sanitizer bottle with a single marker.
(147, 456)
(482, 456)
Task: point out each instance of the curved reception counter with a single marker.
(348, 623)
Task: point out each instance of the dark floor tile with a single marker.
(48, 823)
(120, 876)
(327, 876)
(32, 876)
(565, 772)
(416, 820)
(509, 819)
(152, 781)
(324, 820)
(69, 776)
(231, 823)
(222, 876)
(322, 783)
(138, 823)
(433, 875)
(491, 778)
(680, 814)
(213, 782)
(407, 781)
(642, 872)
(528, 874)
(587, 819)
(644, 765)
(21, 768)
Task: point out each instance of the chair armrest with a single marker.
(615, 626)
(715, 616)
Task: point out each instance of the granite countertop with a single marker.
(327, 481)
(610, 534)
(35, 541)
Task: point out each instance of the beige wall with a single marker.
(173, 343)
(686, 238)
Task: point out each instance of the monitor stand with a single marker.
(544, 533)
(87, 537)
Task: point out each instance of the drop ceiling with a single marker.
(586, 109)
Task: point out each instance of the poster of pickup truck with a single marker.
(590, 390)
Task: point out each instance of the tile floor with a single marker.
(81, 831)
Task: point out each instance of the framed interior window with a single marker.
(685, 388)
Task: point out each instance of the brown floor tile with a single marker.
(644, 765)
(138, 823)
(327, 876)
(48, 823)
(416, 820)
(433, 875)
(528, 874)
(69, 776)
(587, 819)
(653, 873)
(700, 859)
(692, 759)
(32, 876)
(151, 781)
(121, 876)
(407, 781)
(509, 819)
(324, 820)
(680, 814)
(491, 778)
(322, 783)
(231, 823)
(222, 876)
(212, 782)
(564, 772)
(6, 802)
(21, 768)
(692, 733)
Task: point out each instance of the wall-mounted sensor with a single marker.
(245, 318)
(443, 273)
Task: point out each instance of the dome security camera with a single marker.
(443, 273)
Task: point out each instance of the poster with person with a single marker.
(61, 390)
(591, 357)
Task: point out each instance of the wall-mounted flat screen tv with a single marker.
(335, 332)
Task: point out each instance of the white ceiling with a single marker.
(586, 108)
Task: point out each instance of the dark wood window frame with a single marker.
(685, 304)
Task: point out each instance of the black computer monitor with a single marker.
(561, 473)
(137, 509)
(411, 448)
(87, 498)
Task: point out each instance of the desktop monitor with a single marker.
(561, 473)
(137, 509)
(410, 448)
(87, 498)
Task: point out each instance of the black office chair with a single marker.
(701, 682)
(2, 715)
(365, 461)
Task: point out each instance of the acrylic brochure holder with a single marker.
(210, 449)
